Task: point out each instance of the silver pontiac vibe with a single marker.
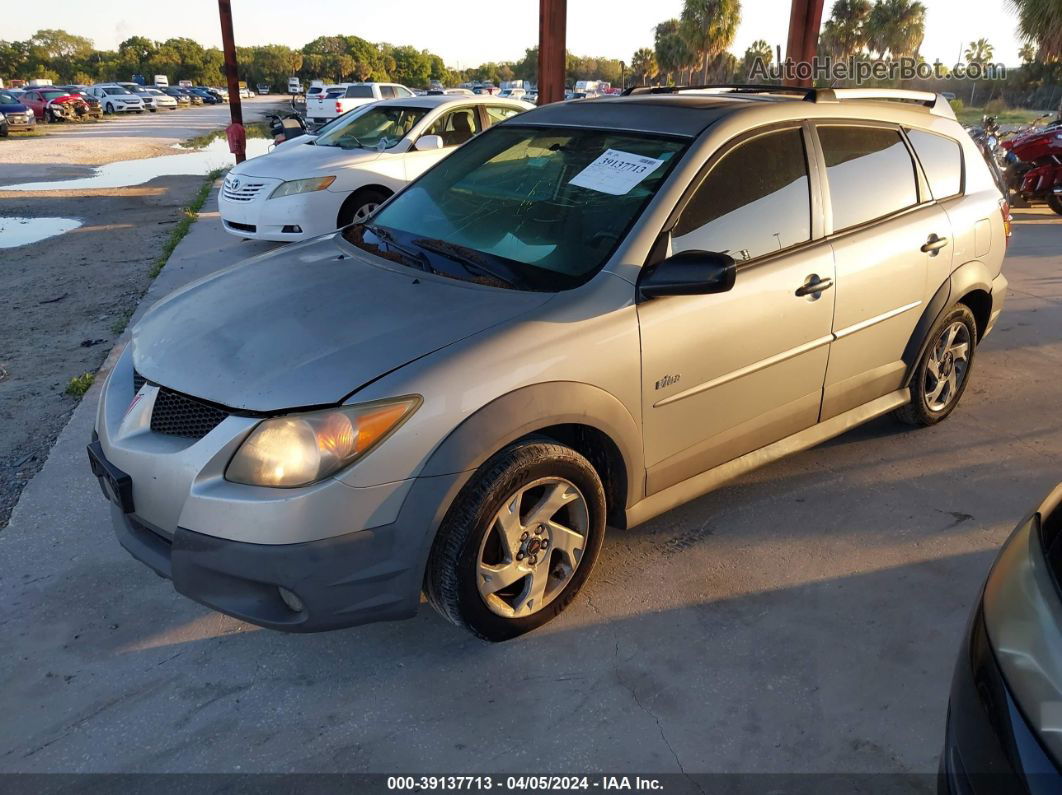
(585, 316)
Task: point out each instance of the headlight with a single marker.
(300, 449)
(301, 186)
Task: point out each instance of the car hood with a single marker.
(9, 108)
(301, 160)
(307, 325)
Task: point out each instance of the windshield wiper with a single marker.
(468, 258)
(418, 257)
(357, 144)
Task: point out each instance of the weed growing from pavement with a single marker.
(118, 326)
(80, 384)
(189, 215)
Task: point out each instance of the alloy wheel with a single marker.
(533, 547)
(362, 213)
(946, 368)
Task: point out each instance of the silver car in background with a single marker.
(587, 315)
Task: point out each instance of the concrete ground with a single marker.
(803, 619)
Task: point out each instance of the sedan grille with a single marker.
(241, 190)
(179, 415)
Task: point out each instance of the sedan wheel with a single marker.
(362, 213)
(533, 547)
(946, 367)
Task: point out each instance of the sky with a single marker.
(469, 32)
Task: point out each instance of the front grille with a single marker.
(179, 415)
(241, 227)
(243, 191)
(138, 381)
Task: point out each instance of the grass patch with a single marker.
(1012, 116)
(189, 215)
(32, 133)
(254, 129)
(80, 384)
(118, 326)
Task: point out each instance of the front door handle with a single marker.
(813, 285)
(934, 244)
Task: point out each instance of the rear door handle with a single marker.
(813, 285)
(934, 244)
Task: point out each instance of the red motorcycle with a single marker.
(1033, 165)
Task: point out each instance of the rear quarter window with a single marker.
(941, 160)
(359, 92)
(869, 172)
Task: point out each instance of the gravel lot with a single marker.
(66, 299)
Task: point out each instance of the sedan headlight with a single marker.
(300, 449)
(301, 186)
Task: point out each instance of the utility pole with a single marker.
(805, 17)
(236, 134)
(552, 55)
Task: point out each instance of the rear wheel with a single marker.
(944, 369)
(1054, 201)
(360, 205)
(519, 541)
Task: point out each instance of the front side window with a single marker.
(496, 114)
(869, 171)
(523, 207)
(941, 160)
(380, 127)
(753, 202)
(456, 127)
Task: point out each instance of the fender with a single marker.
(532, 408)
(973, 275)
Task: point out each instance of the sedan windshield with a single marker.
(8, 99)
(531, 208)
(380, 127)
(116, 90)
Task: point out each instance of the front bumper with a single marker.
(262, 218)
(989, 748)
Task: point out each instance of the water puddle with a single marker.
(126, 173)
(15, 231)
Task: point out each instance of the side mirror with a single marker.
(428, 143)
(689, 273)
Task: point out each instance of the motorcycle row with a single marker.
(1028, 160)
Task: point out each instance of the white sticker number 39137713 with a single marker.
(616, 172)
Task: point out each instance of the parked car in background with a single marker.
(302, 190)
(246, 93)
(456, 397)
(205, 96)
(179, 94)
(4, 128)
(117, 99)
(513, 93)
(263, 88)
(221, 93)
(52, 103)
(337, 99)
(155, 99)
(18, 115)
(450, 92)
(1002, 728)
(94, 109)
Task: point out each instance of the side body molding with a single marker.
(532, 408)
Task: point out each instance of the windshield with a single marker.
(536, 208)
(8, 99)
(379, 127)
(116, 90)
(53, 94)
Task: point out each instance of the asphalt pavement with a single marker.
(804, 619)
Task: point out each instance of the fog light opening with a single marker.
(292, 229)
(293, 602)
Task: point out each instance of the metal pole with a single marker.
(233, 79)
(805, 17)
(552, 24)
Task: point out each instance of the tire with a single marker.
(934, 392)
(360, 205)
(108, 109)
(1054, 201)
(539, 559)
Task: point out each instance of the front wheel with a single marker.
(519, 541)
(360, 206)
(108, 108)
(1054, 201)
(944, 369)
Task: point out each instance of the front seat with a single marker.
(462, 129)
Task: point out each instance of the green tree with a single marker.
(895, 28)
(412, 66)
(758, 49)
(673, 53)
(643, 65)
(709, 27)
(136, 52)
(1027, 53)
(845, 32)
(1040, 23)
(978, 52)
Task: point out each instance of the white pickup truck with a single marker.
(337, 99)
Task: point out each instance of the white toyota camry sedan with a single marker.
(303, 189)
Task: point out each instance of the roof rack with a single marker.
(935, 102)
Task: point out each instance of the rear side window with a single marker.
(869, 171)
(941, 159)
(754, 201)
(387, 92)
(359, 92)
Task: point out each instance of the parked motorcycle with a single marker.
(287, 126)
(1033, 164)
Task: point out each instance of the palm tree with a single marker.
(895, 28)
(1040, 23)
(709, 27)
(845, 32)
(643, 64)
(1027, 53)
(758, 49)
(979, 52)
(673, 54)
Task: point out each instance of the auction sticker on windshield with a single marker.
(616, 172)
